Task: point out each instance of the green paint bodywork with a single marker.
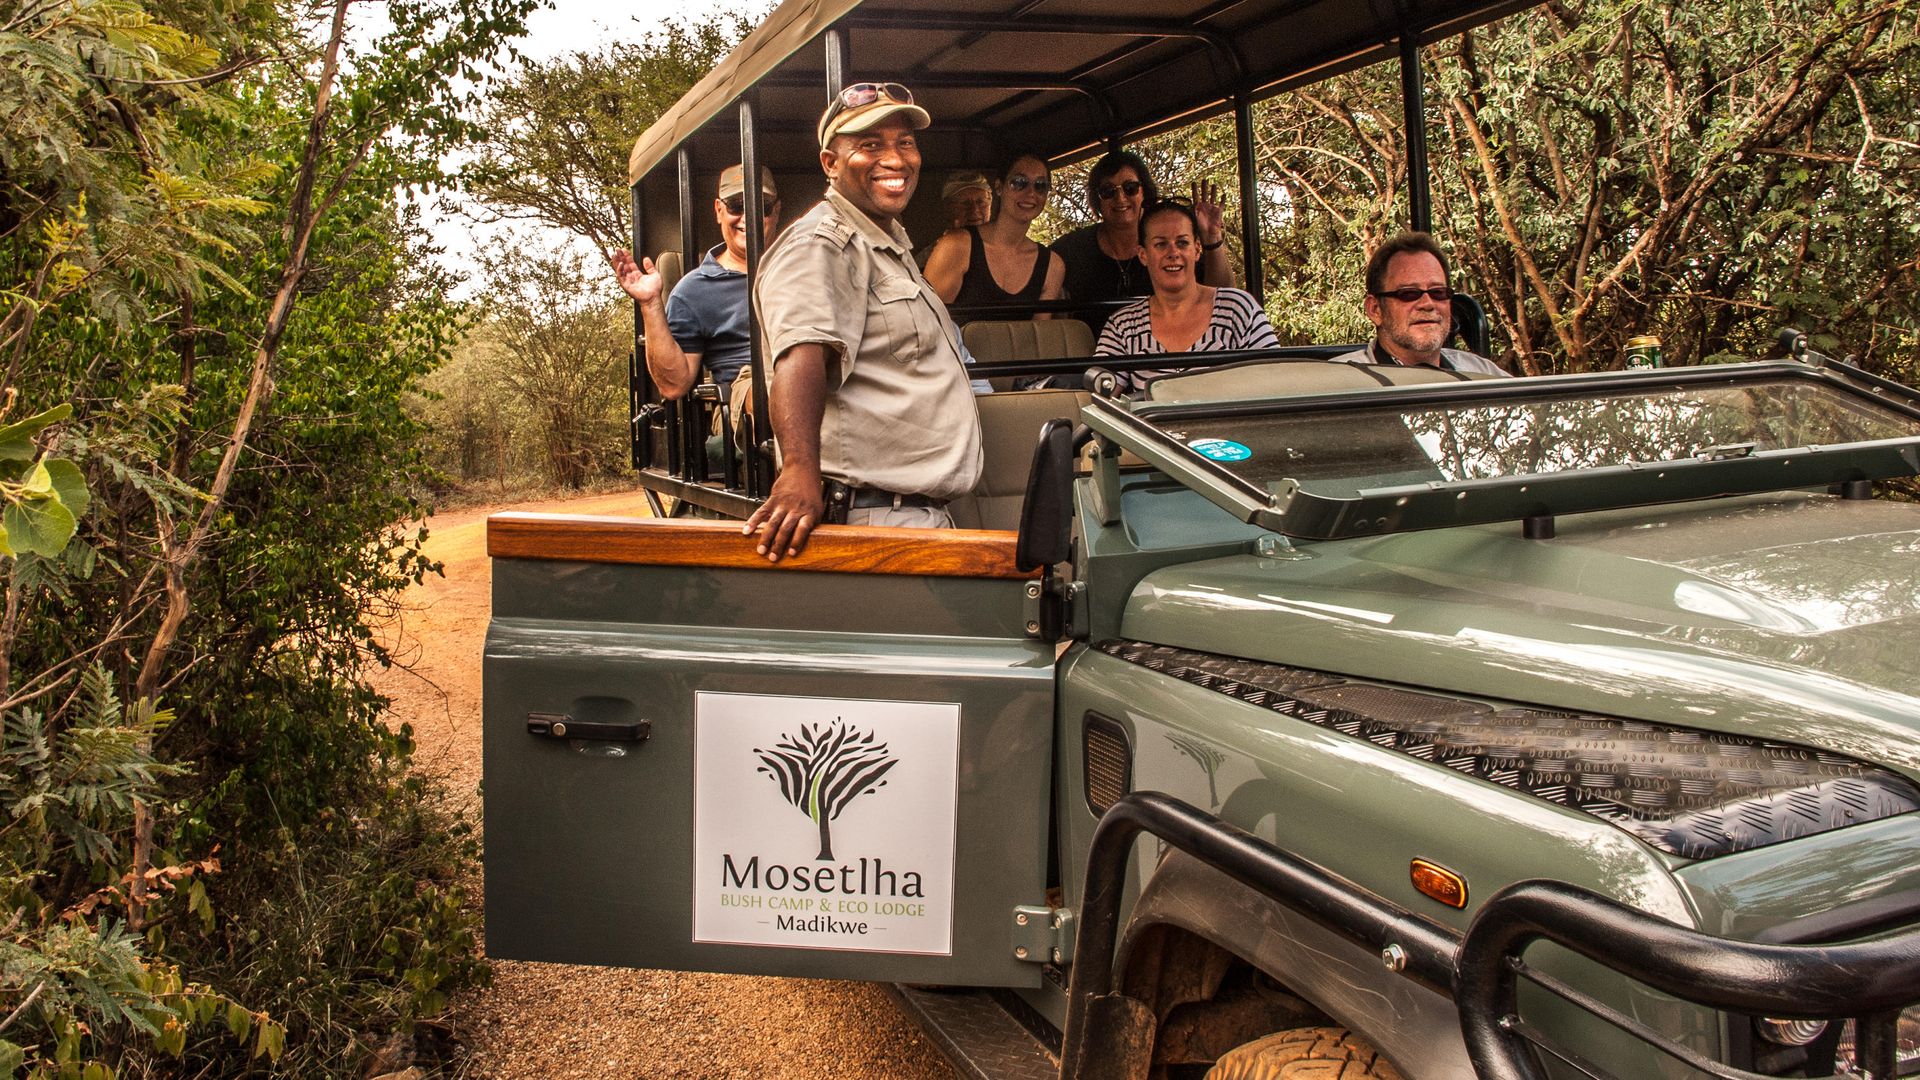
(1789, 616)
(588, 854)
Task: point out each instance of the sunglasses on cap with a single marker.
(861, 94)
(1439, 294)
(1021, 182)
(1108, 191)
(737, 205)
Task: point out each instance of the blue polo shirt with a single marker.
(707, 314)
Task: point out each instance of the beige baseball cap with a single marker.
(733, 182)
(958, 182)
(862, 106)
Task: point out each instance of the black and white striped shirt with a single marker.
(1237, 322)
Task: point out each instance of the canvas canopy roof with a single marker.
(1057, 77)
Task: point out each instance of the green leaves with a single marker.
(16, 440)
(43, 497)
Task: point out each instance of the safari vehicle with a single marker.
(1413, 724)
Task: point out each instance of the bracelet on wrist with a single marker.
(1215, 246)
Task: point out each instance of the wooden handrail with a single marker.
(841, 549)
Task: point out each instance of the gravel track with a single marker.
(560, 1022)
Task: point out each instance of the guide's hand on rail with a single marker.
(642, 281)
(793, 507)
(1208, 212)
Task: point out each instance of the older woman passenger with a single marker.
(997, 262)
(1181, 315)
(1104, 260)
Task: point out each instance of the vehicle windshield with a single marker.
(1340, 452)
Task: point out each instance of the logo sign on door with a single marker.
(825, 823)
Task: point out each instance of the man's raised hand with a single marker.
(642, 281)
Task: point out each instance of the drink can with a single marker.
(1644, 352)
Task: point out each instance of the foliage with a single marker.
(43, 497)
(550, 354)
(355, 918)
(1704, 172)
(559, 131)
(65, 793)
(202, 249)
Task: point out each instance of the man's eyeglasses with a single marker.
(1108, 191)
(737, 205)
(1439, 294)
(1021, 182)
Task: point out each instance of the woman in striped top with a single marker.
(1181, 315)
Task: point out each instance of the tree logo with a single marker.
(823, 769)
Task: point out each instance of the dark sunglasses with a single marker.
(1020, 182)
(737, 205)
(1108, 191)
(1439, 294)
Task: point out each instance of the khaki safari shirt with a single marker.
(899, 411)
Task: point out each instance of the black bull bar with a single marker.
(1866, 981)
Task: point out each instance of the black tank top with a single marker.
(978, 287)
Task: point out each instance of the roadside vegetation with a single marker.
(213, 860)
(535, 397)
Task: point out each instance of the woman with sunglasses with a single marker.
(1104, 260)
(997, 262)
(1181, 315)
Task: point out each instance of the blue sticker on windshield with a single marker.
(1220, 449)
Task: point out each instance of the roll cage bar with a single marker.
(1101, 78)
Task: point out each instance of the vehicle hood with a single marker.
(1794, 618)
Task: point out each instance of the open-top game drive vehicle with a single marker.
(1442, 726)
(1417, 674)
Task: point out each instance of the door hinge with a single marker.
(1054, 608)
(1043, 935)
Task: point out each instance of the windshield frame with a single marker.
(1291, 510)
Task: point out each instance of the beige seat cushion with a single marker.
(993, 341)
(672, 268)
(1010, 428)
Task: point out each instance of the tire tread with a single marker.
(1322, 1053)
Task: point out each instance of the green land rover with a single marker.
(1293, 719)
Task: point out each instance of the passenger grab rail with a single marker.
(1866, 981)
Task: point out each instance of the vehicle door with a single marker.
(694, 760)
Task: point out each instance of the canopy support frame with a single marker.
(1413, 100)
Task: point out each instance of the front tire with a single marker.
(1318, 1053)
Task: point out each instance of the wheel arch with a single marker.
(1189, 912)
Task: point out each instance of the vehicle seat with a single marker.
(1007, 340)
(1009, 430)
(1469, 325)
(672, 268)
(1287, 377)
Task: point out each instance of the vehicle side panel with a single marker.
(589, 845)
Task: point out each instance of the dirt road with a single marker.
(555, 1022)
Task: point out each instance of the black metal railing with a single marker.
(1865, 981)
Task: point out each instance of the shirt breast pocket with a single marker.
(909, 323)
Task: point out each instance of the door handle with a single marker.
(563, 726)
